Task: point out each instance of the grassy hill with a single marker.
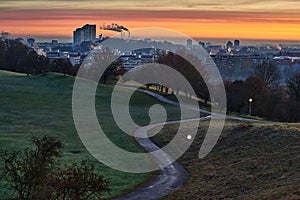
(42, 105)
(250, 161)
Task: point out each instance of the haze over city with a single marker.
(243, 19)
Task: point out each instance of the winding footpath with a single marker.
(174, 176)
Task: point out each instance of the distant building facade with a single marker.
(189, 43)
(52, 55)
(5, 35)
(54, 43)
(229, 45)
(237, 44)
(202, 44)
(30, 42)
(86, 33)
(237, 67)
(77, 35)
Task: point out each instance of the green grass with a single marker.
(42, 105)
(250, 161)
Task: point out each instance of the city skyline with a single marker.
(243, 19)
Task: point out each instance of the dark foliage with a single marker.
(61, 66)
(36, 174)
(188, 70)
(293, 86)
(78, 182)
(17, 57)
(267, 102)
(102, 61)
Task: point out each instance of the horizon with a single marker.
(245, 20)
(212, 40)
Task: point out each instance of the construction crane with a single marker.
(116, 28)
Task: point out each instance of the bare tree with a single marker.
(28, 170)
(101, 61)
(293, 86)
(36, 174)
(269, 73)
(188, 70)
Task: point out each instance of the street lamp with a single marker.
(250, 106)
(189, 137)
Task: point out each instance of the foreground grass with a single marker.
(250, 161)
(42, 105)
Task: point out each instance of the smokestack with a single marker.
(124, 28)
(117, 28)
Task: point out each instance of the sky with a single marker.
(241, 19)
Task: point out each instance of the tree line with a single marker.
(17, 57)
(271, 99)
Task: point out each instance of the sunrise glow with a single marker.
(277, 20)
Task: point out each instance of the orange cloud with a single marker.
(60, 22)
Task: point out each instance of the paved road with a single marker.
(169, 179)
(174, 176)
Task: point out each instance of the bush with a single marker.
(36, 174)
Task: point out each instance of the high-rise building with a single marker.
(237, 43)
(189, 43)
(89, 32)
(30, 42)
(229, 44)
(86, 33)
(77, 35)
(5, 35)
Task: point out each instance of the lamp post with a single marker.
(189, 137)
(250, 106)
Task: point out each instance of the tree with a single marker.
(61, 65)
(36, 174)
(42, 64)
(17, 57)
(235, 96)
(112, 70)
(3, 61)
(293, 86)
(30, 62)
(28, 170)
(101, 61)
(239, 93)
(269, 73)
(78, 182)
(65, 66)
(188, 70)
